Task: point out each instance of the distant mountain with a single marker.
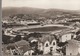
(7, 11)
(47, 13)
(28, 10)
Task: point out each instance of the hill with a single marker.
(38, 13)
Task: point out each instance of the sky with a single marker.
(46, 4)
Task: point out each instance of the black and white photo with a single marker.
(40, 27)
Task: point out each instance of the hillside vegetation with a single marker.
(36, 13)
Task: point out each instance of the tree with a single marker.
(78, 32)
(6, 39)
(35, 35)
(60, 44)
(17, 38)
(77, 37)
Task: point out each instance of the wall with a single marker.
(46, 49)
(71, 48)
(66, 37)
(54, 46)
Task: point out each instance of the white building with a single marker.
(28, 53)
(47, 44)
(73, 47)
(67, 36)
(5, 21)
(9, 32)
(28, 22)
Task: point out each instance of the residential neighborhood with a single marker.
(41, 40)
(48, 31)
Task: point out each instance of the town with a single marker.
(34, 34)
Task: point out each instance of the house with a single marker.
(67, 36)
(32, 39)
(33, 42)
(47, 44)
(30, 52)
(73, 47)
(22, 46)
(5, 21)
(57, 54)
(29, 22)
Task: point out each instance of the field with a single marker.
(46, 28)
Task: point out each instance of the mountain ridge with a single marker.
(6, 11)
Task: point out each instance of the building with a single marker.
(5, 21)
(29, 22)
(73, 47)
(67, 36)
(30, 52)
(47, 44)
(9, 32)
(22, 46)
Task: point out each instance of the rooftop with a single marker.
(77, 43)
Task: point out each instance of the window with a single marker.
(29, 53)
(8, 31)
(70, 53)
(47, 45)
(39, 45)
(72, 36)
(51, 48)
(53, 43)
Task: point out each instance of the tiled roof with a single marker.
(46, 38)
(67, 31)
(21, 43)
